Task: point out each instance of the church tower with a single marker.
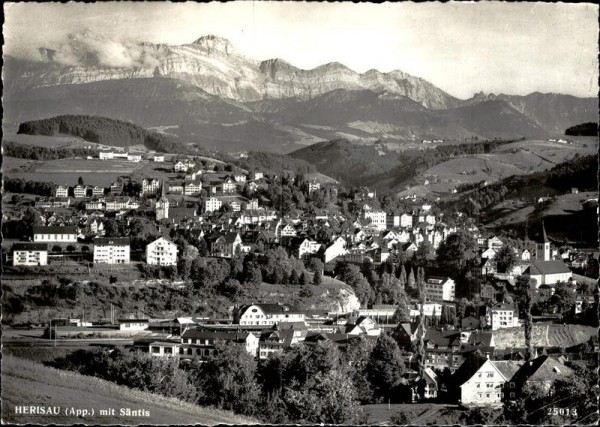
(543, 246)
(162, 205)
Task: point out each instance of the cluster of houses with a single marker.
(480, 373)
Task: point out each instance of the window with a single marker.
(512, 385)
(487, 395)
(512, 395)
(490, 375)
(155, 350)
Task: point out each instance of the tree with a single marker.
(317, 278)
(402, 279)
(457, 253)
(563, 299)
(411, 279)
(421, 328)
(226, 379)
(505, 259)
(80, 181)
(356, 356)
(326, 398)
(385, 367)
(350, 274)
(304, 279)
(402, 313)
(524, 290)
(423, 253)
(111, 228)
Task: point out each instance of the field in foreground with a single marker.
(28, 383)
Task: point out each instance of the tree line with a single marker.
(36, 152)
(103, 130)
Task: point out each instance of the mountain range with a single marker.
(208, 93)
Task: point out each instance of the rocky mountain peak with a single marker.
(214, 43)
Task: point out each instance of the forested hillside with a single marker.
(275, 163)
(584, 129)
(102, 130)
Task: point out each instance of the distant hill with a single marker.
(584, 129)
(101, 130)
(28, 383)
(551, 111)
(371, 164)
(514, 202)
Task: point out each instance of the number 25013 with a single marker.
(562, 411)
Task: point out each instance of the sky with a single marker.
(463, 48)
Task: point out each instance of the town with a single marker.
(442, 303)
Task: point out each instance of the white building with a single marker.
(266, 314)
(440, 289)
(406, 220)
(212, 204)
(192, 188)
(378, 219)
(134, 157)
(62, 191)
(336, 249)
(55, 234)
(313, 186)
(150, 186)
(503, 316)
(161, 252)
(30, 254)
(548, 272)
(159, 158)
(111, 250)
(80, 191)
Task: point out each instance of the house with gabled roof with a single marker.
(548, 272)
(542, 371)
(266, 314)
(225, 245)
(480, 381)
(199, 344)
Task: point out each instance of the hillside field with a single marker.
(544, 335)
(517, 158)
(67, 171)
(27, 383)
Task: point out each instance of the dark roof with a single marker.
(467, 369)
(548, 267)
(481, 338)
(544, 236)
(40, 229)
(215, 335)
(542, 369)
(113, 241)
(30, 246)
(508, 368)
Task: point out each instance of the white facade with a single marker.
(406, 220)
(212, 204)
(503, 317)
(440, 289)
(378, 219)
(111, 251)
(150, 186)
(159, 158)
(257, 314)
(313, 186)
(55, 234)
(62, 191)
(161, 252)
(30, 254)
